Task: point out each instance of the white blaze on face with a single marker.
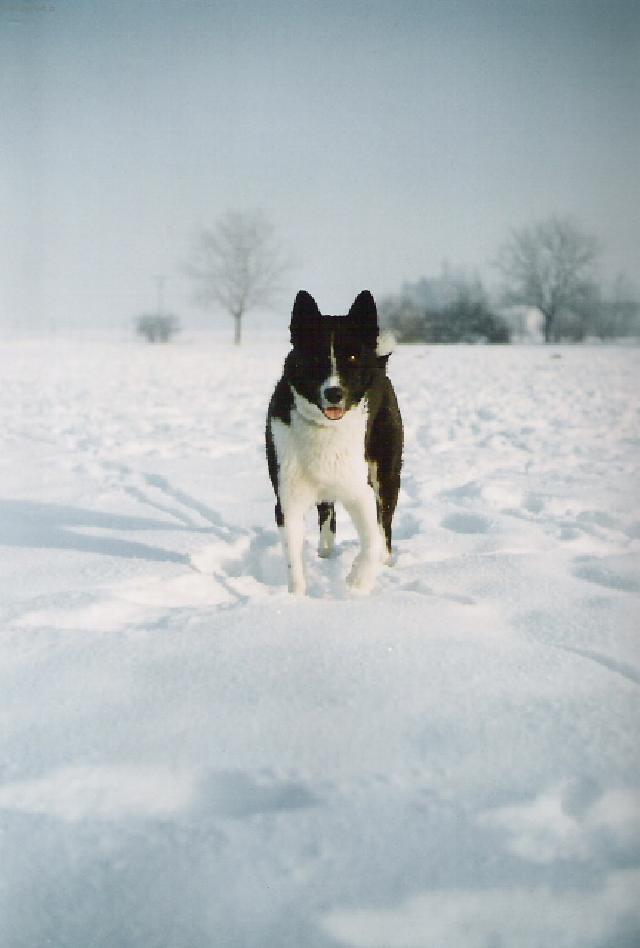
(332, 410)
(334, 364)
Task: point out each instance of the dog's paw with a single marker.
(360, 586)
(298, 589)
(390, 558)
(362, 577)
(325, 550)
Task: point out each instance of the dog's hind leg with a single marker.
(389, 489)
(386, 485)
(327, 524)
(385, 463)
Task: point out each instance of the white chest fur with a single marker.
(321, 460)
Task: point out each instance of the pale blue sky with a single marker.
(381, 138)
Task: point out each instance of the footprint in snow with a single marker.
(251, 564)
(419, 586)
(116, 791)
(407, 526)
(612, 572)
(466, 523)
(237, 795)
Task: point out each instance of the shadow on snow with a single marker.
(58, 527)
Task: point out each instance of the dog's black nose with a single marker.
(333, 394)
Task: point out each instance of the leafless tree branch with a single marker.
(238, 264)
(548, 265)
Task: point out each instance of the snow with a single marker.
(191, 757)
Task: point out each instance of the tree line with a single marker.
(444, 309)
(548, 267)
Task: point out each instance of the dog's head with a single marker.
(335, 359)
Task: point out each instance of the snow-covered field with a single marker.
(190, 758)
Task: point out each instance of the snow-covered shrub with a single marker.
(157, 328)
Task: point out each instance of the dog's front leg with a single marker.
(292, 535)
(366, 565)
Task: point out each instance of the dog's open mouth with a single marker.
(333, 413)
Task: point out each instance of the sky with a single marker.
(382, 139)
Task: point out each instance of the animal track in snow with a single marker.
(237, 795)
(612, 572)
(100, 792)
(154, 490)
(569, 822)
(250, 565)
(611, 664)
(466, 523)
(137, 603)
(406, 525)
(420, 586)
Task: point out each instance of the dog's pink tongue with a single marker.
(334, 414)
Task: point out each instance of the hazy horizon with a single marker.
(381, 139)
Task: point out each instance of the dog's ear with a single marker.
(364, 317)
(304, 315)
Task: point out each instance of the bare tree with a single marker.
(238, 264)
(549, 265)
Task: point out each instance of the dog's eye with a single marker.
(353, 357)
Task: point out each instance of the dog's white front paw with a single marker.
(363, 575)
(297, 587)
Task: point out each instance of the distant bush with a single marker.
(156, 328)
(465, 319)
(446, 309)
(404, 317)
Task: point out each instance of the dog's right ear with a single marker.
(304, 314)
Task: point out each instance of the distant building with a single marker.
(525, 322)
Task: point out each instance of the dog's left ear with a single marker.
(364, 315)
(305, 316)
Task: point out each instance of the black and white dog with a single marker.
(334, 433)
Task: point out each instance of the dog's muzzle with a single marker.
(333, 403)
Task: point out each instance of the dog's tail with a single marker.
(385, 346)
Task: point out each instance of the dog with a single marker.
(334, 433)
